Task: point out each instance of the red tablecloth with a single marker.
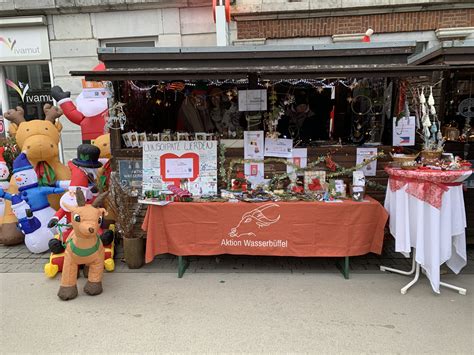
(426, 185)
(271, 228)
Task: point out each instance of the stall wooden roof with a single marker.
(334, 60)
(268, 62)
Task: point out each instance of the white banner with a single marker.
(166, 163)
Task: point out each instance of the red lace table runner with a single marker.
(426, 185)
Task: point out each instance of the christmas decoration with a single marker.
(367, 35)
(39, 140)
(84, 247)
(272, 117)
(35, 198)
(89, 113)
(4, 183)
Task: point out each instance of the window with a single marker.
(28, 86)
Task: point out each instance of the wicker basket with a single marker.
(431, 154)
(405, 158)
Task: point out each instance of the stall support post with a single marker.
(182, 266)
(344, 268)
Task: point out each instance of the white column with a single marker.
(4, 97)
(222, 33)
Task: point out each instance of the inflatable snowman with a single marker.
(36, 200)
(36, 235)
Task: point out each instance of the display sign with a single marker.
(364, 154)
(131, 173)
(253, 144)
(299, 158)
(192, 163)
(404, 131)
(253, 100)
(281, 148)
(94, 90)
(24, 44)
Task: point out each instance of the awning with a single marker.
(335, 60)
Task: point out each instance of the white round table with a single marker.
(437, 235)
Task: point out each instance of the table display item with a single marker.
(315, 181)
(357, 193)
(403, 158)
(358, 178)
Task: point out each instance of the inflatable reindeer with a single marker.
(84, 247)
(39, 140)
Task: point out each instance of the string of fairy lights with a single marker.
(314, 83)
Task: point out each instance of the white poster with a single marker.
(253, 100)
(364, 154)
(254, 172)
(404, 131)
(179, 168)
(299, 158)
(281, 148)
(253, 144)
(169, 162)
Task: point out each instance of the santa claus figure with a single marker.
(89, 113)
(83, 176)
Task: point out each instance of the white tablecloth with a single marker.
(438, 235)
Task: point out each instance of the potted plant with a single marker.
(125, 204)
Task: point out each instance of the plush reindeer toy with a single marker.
(84, 247)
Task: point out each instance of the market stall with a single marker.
(306, 126)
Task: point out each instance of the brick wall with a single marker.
(328, 26)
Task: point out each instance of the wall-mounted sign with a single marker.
(253, 100)
(24, 43)
(131, 173)
(27, 95)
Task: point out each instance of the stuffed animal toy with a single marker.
(89, 113)
(37, 199)
(83, 247)
(4, 184)
(103, 143)
(39, 140)
(79, 180)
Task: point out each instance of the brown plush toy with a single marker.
(103, 143)
(84, 247)
(39, 140)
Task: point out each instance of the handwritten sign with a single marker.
(168, 162)
(253, 100)
(281, 148)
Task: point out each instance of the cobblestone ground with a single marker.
(19, 259)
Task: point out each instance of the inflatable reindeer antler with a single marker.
(98, 202)
(81, 200)
(51, 113)
(15, 116)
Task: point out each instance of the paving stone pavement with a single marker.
(19, 259)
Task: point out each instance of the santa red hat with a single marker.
(368, 33)
(2, 158)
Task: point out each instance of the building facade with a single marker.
(43, 40)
